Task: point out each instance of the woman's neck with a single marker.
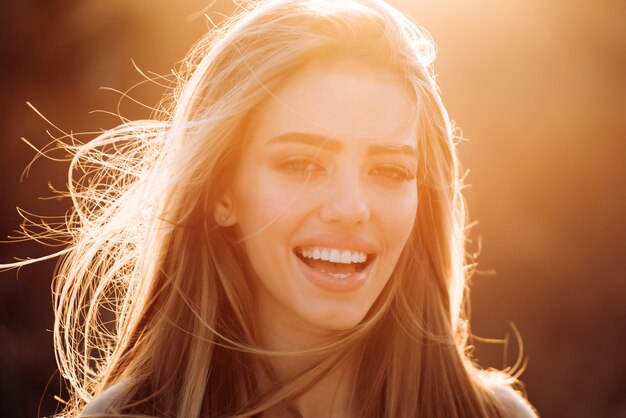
(331, 395)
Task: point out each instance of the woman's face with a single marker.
(325, 195)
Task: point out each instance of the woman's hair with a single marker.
(151, 292)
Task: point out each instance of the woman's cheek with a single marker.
(399, 215)
(266, 197)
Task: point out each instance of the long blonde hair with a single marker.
(151, 292)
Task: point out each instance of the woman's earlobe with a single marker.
(224, 214)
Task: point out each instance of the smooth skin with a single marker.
(330, 161)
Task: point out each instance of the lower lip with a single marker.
(332, 284)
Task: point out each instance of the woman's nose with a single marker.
(345, 201)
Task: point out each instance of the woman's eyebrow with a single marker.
(404, 149)
(335, 145)
(315, 140)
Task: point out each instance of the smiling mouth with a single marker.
(336, 262)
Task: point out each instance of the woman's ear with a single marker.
(223, 211)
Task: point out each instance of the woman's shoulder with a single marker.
(513, 402)
(108, 401)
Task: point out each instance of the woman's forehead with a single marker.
(338, 99)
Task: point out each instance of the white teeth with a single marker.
(340, 275)
(334, 255)
(325, 254)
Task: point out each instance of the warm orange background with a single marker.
(539, 89)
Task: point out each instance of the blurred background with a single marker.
(537, 87)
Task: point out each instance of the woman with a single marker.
(287, 239)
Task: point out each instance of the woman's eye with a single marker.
(393, 173)
(304, 167)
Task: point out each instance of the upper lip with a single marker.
(339, 241)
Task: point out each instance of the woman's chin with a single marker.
(334, 320)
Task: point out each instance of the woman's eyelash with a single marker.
(307, 166)
(393, 172)
(302, 165)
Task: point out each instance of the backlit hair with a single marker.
(151, 292)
